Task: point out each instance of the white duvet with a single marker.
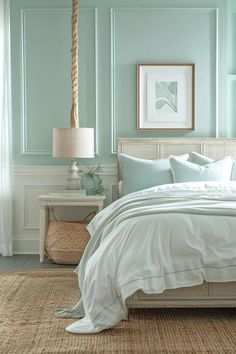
(161, 238)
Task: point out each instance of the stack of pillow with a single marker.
(138, 174)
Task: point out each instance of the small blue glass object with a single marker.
(91, 183)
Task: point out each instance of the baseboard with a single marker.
(25, 245)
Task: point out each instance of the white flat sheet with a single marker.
(160, 238)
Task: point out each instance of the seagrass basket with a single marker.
(66, 240)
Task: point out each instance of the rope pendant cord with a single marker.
(74, 65)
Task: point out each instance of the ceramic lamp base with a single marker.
(73, 177)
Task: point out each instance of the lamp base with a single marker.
(73, 177)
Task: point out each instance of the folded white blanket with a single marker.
(161, 238)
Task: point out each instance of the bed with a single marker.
(117, 246)
(218, 294)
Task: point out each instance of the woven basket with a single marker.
(66, 241)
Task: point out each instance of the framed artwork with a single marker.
(165, 96)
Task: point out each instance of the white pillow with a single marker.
(185, 171)
(200, 159)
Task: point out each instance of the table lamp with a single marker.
(74, 142)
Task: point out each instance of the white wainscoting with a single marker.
(31, 181)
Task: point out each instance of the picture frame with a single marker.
(165, 97)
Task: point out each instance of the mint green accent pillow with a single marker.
(185, 171)
(199, 159)
(203, 160)
(140, 174)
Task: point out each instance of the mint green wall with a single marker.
(115, 35)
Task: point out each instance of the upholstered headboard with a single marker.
(159, 148)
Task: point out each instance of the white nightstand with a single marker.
(61, 199)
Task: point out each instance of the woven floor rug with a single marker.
(28, 326)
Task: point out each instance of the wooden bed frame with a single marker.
(207, 294)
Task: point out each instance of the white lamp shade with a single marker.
(73, 142)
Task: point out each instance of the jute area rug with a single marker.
(27, 323)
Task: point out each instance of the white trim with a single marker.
(23, 170)
(22, 245)
(112, 39)
(96, 78)
(217, 74)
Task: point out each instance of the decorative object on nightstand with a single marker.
(91, 181)
(74, 142)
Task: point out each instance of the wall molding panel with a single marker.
(113, 32)
(29, 183)
(231, 73)
(25, 148)
(231, 113)
(30, 209)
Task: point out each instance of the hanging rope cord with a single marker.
(74, 64)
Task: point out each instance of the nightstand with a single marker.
(64, 200)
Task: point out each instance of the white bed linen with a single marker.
(164, 237)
